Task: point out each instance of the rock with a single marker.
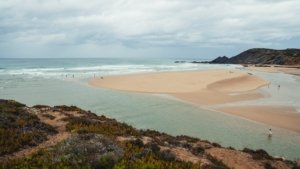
(221, 59)
(263, 56)
(181, 61)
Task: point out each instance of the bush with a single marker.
(107, 127)
(19, 129)
(198, 150)
(258, 154)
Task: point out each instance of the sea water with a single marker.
(51, 82)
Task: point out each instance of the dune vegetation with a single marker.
(92, 141)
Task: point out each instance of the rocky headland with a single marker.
(260, 56)
(263, 56)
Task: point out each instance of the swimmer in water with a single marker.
(270, 133)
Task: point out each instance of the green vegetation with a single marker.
(100, 125)
(76, 153)
(99, 142)
(135, 156)
(18, 128)
(43, 159)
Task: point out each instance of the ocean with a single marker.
(64, 81)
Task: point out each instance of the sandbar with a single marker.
(210, 88)
(183, 82)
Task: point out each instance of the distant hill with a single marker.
(263, 56)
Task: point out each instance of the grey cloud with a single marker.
(141, 23)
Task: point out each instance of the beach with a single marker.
(209, 89)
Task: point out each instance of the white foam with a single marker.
(89, 71)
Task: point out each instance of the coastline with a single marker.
(209, 88)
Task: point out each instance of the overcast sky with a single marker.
(145, 28)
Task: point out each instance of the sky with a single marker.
(145, 28)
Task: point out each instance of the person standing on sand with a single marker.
(278, 87)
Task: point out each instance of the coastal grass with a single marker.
(104, 143)
(19, 129)
(135, 154)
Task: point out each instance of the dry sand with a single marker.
(199, 87)
(182, 82)
(208, 88)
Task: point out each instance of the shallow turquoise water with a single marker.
(287, 95)
(154, 112)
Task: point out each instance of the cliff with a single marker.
(263, 56)
(69, 137)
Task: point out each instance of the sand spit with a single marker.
(209, 88)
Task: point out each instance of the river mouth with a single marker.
(51, 82)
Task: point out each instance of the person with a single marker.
(278, 87)
(270, 133)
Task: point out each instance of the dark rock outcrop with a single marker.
(263, 56)
(180, 61)
(221, 59)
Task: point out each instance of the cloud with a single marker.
(142, 23)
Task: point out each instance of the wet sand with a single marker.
(282, 117)
(276, 69)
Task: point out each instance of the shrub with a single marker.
(198, 150)
(19, 129)
(258, 154)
